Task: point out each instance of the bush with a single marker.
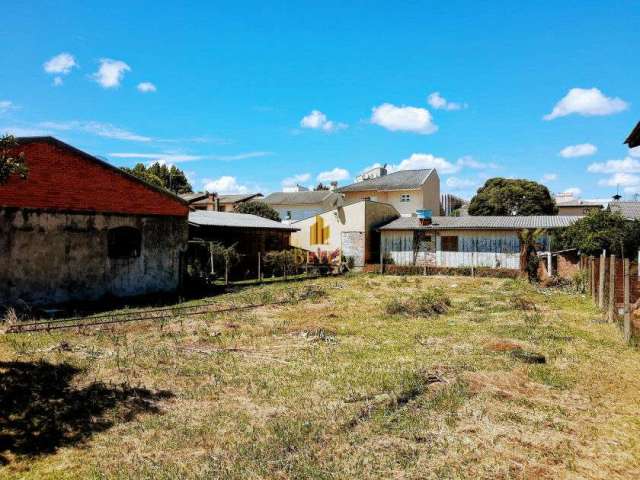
(425, 304)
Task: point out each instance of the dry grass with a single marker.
(332, 386)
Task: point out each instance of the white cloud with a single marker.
(292, 181)
(580, 150)
(18, 131)
(469, 161)
(105, 130)
(438, 102)
(61, 64)
(164, 158)
(111, 72)
(240, 156)
(574, 191)
(456, 183)
(622, 179)
(549, 177)
(317, 120)
(419, 161)
(57, 81)
(225, 184)
(586, 102)
(146, 87)
(334, 175)
(403, 119)
(6, 105)
(626, 165)
(634, 152)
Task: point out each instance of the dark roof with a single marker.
(630, 210)
(241, 197)
(401, 180)
(633, 140)
(300, 198)
(193, 197)
(91, 158)
(483, 223)
(236, 220)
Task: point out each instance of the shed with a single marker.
(490, 241)
(80, 229)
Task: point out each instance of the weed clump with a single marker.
(424, 304)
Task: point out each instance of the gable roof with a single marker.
(633, 140)
(194, 196)
(400, 180)
(300, 198)
(64, 178)
(236, 220)
(483, 223)
(629, 210)
(579, 203)
(235, 198)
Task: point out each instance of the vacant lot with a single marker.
(370, 377)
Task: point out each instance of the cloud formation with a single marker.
(166, 158)
(146, 87)
(458, 184)
(626, 165)
(111, 72)
(403, 119)
(61, 64)
(334, 175)
(580, 150)
(225, 184)
(105, 130)
(549, 177)
(290, 182)
(418, 161)
(574, 191)
(317, 120)
(438, 102)
(6, 105)
(586, 102)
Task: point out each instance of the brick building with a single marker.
(80, 229)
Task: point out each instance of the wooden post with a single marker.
(226, 271)
(603, 257)
(612, 289)
(259, 267)
(213, 271)
(381, 258)
(627, 306)
(550, 257)
(592, 272)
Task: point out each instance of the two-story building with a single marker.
(406, 190)
(293, 206)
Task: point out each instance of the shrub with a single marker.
(425, 304)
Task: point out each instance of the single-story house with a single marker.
(576, 206)
(490, 241)
(251, 235)
(406, 190)
(293, 206)
(217, 203)
(80, 229)
(350, 228)
(629, 210)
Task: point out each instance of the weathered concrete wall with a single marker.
(53, 257)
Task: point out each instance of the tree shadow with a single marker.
(41, 410)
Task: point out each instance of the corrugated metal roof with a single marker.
(578, 203)
(401, 180)
(235, 220)
(483, 223)
(300, 198)
(192, 197)
(630, 210)
(238, 197)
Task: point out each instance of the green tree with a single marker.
(10, 162)
(257, 208)
(506, 196)
(601, 230)
(172, 178)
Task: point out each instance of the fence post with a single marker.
(612, 289)
(381, 259)
(603, 257)
(259, 267)
(627, 307)
(592, 271)
(226, 271)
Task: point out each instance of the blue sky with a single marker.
(251, 96)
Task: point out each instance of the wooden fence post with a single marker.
(612, 289)
(381, 259)
(226, 271)
(592, 271)
(627, 306)
(603, 257)
(259, 267)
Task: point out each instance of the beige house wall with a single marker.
(582, 210)
(363, 217)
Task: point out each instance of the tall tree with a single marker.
(506, 196)
(10, 162)
(260, 209)
(172, 178)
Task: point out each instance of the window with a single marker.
(405, 198)
(449, 244)
(124, 242)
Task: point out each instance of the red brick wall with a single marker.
(62, 178)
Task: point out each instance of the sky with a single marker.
(259, 96)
